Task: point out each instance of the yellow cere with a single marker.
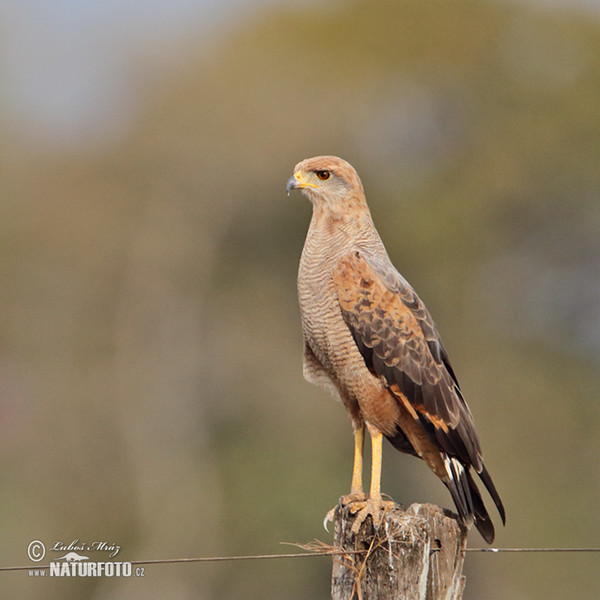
(303, 183)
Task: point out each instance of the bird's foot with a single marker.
(351, 498)
(376, 507)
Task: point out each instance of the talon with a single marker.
(329, 517)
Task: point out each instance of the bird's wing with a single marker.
(399, 342)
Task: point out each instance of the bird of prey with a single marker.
(370, 339)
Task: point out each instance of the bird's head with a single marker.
(326, 180)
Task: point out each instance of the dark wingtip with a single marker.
(468, 501)
(486, 529)
(483, 522)
(491, 488)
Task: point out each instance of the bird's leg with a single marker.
(357, 493)
(356, 487)
(374, 505)
(376, 461)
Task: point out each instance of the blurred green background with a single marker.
(151, 388)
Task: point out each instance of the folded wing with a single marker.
(400, 344)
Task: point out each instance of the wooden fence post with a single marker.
(417, 554)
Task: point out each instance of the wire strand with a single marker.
(208, 559)
(332, 552)
(532, 550)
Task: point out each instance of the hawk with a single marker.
(370, 339)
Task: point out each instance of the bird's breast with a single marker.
(331, 341)
(323, 325)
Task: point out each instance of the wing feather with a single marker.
(400, 344)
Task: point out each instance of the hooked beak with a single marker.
(291, 185)
(298, 181)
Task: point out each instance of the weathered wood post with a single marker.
(417, 554)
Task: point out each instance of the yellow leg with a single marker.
(374, 505)
(356, 487)
(357, 493)
(376, 460)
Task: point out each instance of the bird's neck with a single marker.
(341, 231)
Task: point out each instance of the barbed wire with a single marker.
(316, 553)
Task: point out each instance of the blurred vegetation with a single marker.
(151, 346)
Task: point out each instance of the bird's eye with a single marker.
(323, 175)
